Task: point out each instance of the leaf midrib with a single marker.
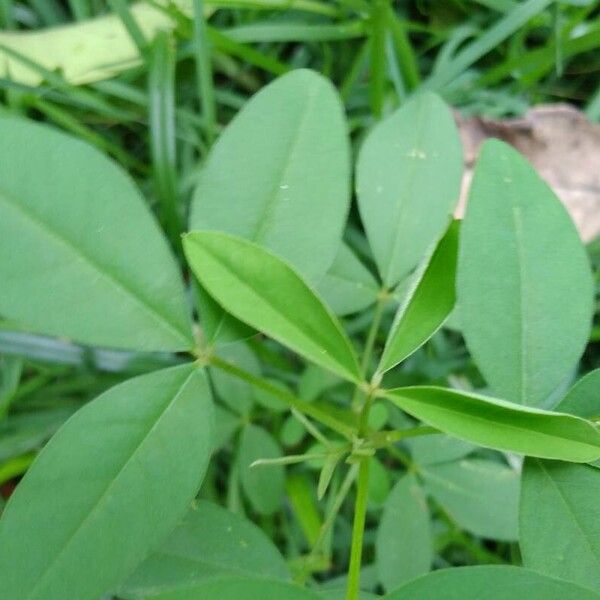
(119, 285)
(109, 487)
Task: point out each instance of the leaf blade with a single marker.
(408, 181)
(73, 255)
(427, 305)
(113, 457)
(263, 291)
(501, 425)
(524, 283)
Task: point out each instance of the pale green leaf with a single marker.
(480, 495)
(237, 588)
(110, 485)
(501, 425)
(560, 521)
(348, 286)
(209, 542)
(427, 304)
(279, 175)
(263, 291)
(81, 255)
(583, 399)
(524, 284)
(404, 544)
(496, 582)
(408, 182)
(262, 484)
(436, 449)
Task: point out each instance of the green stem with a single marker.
(370, 344)
(341, 495)
(290, 400)
(358, 529)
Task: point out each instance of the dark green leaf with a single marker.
(427, 304)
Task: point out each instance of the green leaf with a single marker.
(236, 393)
(404, 545)
(481, 496)
(279, 175)
(501, 425)
(110, 485)
(11, 368)
(238, 588)
(524, 285)
(218, 327)
(82, 257)
(583, 398)
(262, 484)
(266, 293)
(209, 542)
(348, 286)
(436, 449)
(492, 583)
(559, 521)
(427, 304)
(408, 181)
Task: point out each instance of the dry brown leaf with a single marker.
(562, 145)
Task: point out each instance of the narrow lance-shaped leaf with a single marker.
(111, 484)
(80, 254)
(501, 425)
(408, 182)
(210, 541)
(427, 304)
(279, 175)
(266, 293)
(524, 284)
(498, 582)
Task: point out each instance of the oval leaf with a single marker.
(408, 182)
(404, 544)
(524, 285)
(210, 541)
(266, 293)
(427, 304)
(559, 521)
(110, 485)
(501, 425)
(583, 399)
(482, 496)
(489, 582)
(81, 255)
(237, 588)
(279, 175)
(348, 286)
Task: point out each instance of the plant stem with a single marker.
(290, 400)
(370, 343)
(340, 496)
(358, 528)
